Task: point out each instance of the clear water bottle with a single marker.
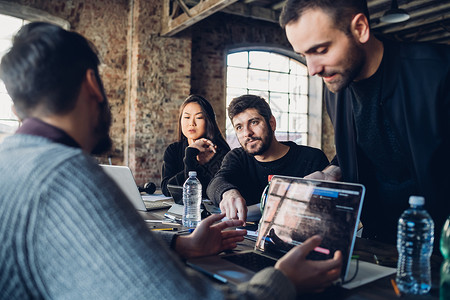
(192, 199)
(444, 289)
(415, 237)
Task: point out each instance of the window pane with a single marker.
(236, 77)
(279, 63)
(298, 84)
(262, 94)
(282, 81)
(304, 85)
(258, 79)
(298, 122)
(238, 59)
(9, 26)
(299, 138)
(8, 121)
(298, 104)
(282, 119)
(233, 93)
(298, 68)
(278, 82)
(259, 60)
(279, 102)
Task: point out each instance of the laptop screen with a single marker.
(297, 209)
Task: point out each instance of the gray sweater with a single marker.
(66, 232)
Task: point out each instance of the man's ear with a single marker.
(273, 123)
(93, 85)
(360, 28)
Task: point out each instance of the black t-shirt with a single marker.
(243, 172)
(382, 154)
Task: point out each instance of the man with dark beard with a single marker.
(67, 231)
(390, 106)
(245, 170)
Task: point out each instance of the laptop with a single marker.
(176, 191)
(124, 179)
(295, 210)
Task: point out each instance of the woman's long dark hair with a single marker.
(213, 132)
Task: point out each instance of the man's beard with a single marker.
(266, 142)
(354, 64)
(101, 131)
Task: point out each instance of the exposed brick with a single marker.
(147, 76)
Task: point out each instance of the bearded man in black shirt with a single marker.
(245, 170)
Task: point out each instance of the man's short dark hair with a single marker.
(340, 11)
(241, 103)
(45, 67)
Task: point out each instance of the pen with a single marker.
(396, 290)
(190, 230)
(165, 229)
(376, 259)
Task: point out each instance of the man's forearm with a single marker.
(332, 172)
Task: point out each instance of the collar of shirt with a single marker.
(33, 126)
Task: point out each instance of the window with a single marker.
(8, 121)
(13, 16)
(281, 80)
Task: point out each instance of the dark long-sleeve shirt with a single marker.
(179, 159)
(414, 100)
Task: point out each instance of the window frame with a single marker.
(314, 93)
(26, 14)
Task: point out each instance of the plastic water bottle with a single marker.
(444, 290)
(192, 199)
(415, 237)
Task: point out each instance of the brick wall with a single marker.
(160, 72)
(147, 76)
(105, 24)
(211, 40)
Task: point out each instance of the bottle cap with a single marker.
(416, 200)
(192, 173)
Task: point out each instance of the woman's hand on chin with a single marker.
(207, 150)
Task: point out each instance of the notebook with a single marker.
(295, 210)
(124, 179)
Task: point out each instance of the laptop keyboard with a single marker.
(251, 260)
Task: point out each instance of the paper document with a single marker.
(367, 272)
(178, 209)
(155, 197)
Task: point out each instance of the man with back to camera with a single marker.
(243, 175)
(66, 230)
(390, 106)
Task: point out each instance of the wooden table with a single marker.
(382, 288)
(366, 249)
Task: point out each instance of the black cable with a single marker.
(354, 275)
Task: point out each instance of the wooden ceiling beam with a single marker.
(171, 25)
(253, 12)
